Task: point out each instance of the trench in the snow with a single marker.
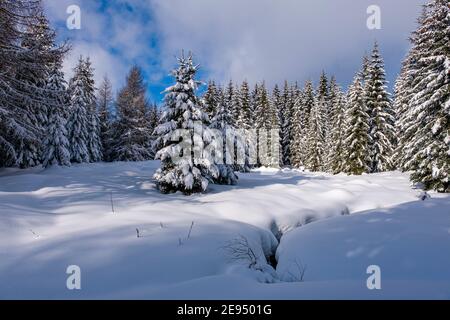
(279, 233)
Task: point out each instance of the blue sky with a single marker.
(269, 40)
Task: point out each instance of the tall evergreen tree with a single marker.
(223, 122)
(244, 125)
(266, 120)
(153, 117)
(357, 131)
(428, 111)
(211, 99)
(56, 146)
(336, 137)
(323, 95)
(94, 143)
(381, 114)
(309, 99)
(286, 109)
(315, 141)
(104, 103)
(244, 120)
(131, 134)
(190, 172)
(78, 121)
(26, 51)
(230, 101)
(299, 133)
(39, 37)
(277, 103)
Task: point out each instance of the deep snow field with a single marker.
(331, 229)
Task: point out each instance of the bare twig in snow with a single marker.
(239, 249)
(112, 203)
(301, 269)
(190, 230)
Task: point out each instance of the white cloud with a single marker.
(240, 39)
(277, 40)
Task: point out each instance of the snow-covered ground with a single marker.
(64, 216)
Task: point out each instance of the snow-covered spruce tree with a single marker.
(94, 134)
(230, 100)
(267, 125)
(428, 149)
(324, 96)
(223, 122)
(190, 172)
(78, 123)
(356, 131)
(364, 72)
(56, 146)
(244, 125)
(381, 114)
(309, 99)
(315, 141)
(336, 143)
(37, 38)
(277, 103)
(211, 99)
(253, 104)
(131, 134)
(104, 103)
(285, 114)
(153, 116)
(18, 98)
(299, 133)
(404, 92)
(245, 116)
(323, 89)
(303, 108)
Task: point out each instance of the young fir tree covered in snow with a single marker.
(381, 114)
(78, 123)
(131, 133)
(356, 131)
(56, 146)
(428, 111)
(183, 164)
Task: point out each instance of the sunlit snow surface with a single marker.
(64, 216)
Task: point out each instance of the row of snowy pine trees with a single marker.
(44, 120)
(323, 128)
